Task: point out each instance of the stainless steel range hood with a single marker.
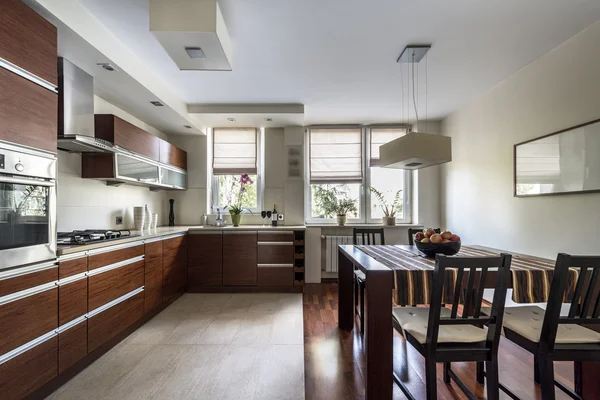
(76, 111)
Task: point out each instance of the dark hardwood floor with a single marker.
(335, 365)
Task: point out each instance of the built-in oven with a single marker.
(27, 206)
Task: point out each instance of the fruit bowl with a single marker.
(431, 249)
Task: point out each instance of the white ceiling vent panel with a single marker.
(181, 25)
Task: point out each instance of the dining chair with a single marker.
(440, 335)
(551, 337)
(413, 231)
(368, 236)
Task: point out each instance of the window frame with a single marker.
(364, 199)
(260, 173)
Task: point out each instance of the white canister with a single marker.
(154, 223)
(147, 217)
(139, 218)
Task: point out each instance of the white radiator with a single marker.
(331, 250)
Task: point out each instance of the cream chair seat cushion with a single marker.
(360, 275)
(414, 321)
(527, 321)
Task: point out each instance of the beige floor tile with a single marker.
(255, 329)
(154, 331)
(190, 330)
(147, 377)
(220, 331)
(287, 328)
(281, 373)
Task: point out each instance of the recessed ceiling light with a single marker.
(187, 126)
(107, 66)
(231, 119)
(156, 103)
(195, 52)
(269, 119)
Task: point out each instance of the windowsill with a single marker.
(360, 225)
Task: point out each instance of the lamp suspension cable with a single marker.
(413, 91)
(426, 93)
(401, 95)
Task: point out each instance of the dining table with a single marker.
(401, 274)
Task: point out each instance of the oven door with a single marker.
(27, 220)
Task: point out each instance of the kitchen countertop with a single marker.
(65, 250)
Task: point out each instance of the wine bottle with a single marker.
(274, 215)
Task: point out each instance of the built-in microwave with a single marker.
(27, 205)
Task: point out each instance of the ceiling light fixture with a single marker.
(269, 119)
(156, 103)
(195, 52)
(415, 150)
(187, 126)
(231, 119)
(107, 66)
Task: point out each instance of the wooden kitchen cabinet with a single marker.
(29, 112)
(174, 277)
(128, 136)
(205, 260)
(72, 300)
(107, 286)
(153, 275)
(172, 155)
(28, 41)
(29, 371)
(240, 258)
(72, 346)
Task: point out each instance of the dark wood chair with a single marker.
(551, 337)
(413, 231)
(440, 335)
(368, 236)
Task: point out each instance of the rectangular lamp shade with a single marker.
(416, 151)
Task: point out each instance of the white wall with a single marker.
(90, 204)
(558, 90)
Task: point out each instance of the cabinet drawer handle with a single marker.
(71, 324)
(13, 273)
(153, 240)
(275, 265)
(73, 256)
(275, 243)
(114, 248)
(28, 292)
(175, 235)
(27, 75)
(114, 266)
(72, 278)
(27, 346)
(115, 302)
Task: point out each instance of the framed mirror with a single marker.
(566, 161)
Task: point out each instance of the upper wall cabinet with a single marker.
(27, 40)
(172, 155)
(123, 134)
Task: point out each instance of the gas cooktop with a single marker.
(91, 235)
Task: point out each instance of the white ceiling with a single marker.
(337, 57)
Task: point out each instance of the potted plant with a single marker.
(389, 212)
(334, 201)
(236, 210)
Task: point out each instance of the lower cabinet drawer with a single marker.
(110, 285)
(72, 346)
(72, 300)
(275, 253)
(109, 323)
(26, 318)
(29, 371)
(275, 276)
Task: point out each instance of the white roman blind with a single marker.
(234, 151)
(336, 155)
(381, 136)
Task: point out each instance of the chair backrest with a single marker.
(583, 272)
(368, 235)
(413, 231)
(450, 274)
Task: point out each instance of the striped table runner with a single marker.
(413, 273)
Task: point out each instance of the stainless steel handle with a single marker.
(117, 247)
(275, 243)
(27, 75)
(267, 231)
(240, 233)
(175, 235)
(27, 346)
(115, 302)
(275, 265)
(205, 232)
(153, 240)
(71, 324)
(74, 256)
(27, 292)
(13, 273)
(25, 181)
(71, 279)
(119, 264)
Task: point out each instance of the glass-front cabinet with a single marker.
(171, 177)
(132, 168)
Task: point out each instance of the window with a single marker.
(236, 168)
(343, 164)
